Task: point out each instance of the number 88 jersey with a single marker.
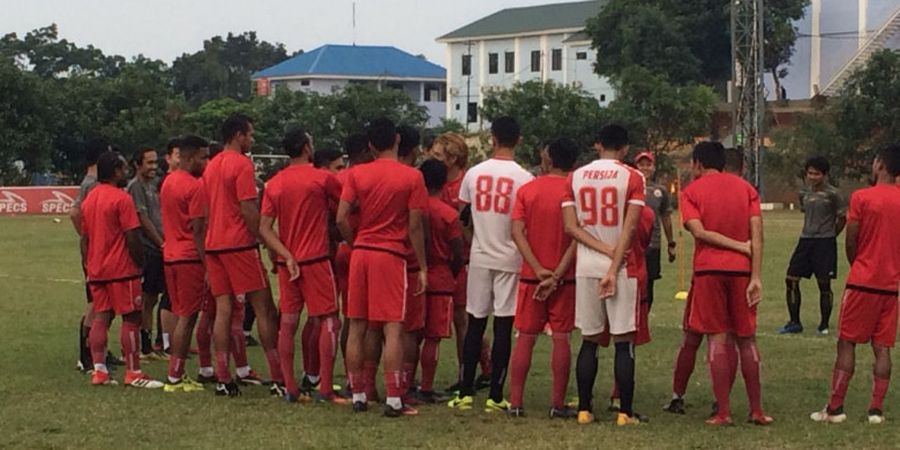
(600, 193)
(490, 188)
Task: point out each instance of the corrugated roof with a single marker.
(529, 19)
(356, 61)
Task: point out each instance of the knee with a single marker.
(824, 285)
(791, 282)
(594, 338)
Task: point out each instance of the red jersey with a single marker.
(229, 180)
(877, 264)
(342, 180)
(181, 200)
(107, 213)
(443, 223)
(636, 258)
(538, 206)
(299, 198)
(450, 192)
(385, 190)
(724, 203)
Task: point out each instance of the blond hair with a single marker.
(454, 145)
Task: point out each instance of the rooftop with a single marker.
(355, 61)
(529, 19)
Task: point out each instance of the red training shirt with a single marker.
(107, 214)
(538, 206)
(229, 179)
(443, 223)
(181, 200)
(636, 261)
(877, 264)
(450, 192)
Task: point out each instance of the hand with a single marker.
(754, 292)
(293, 268)
(671, 253)
(545, 288)
(423, 283)
(607, 288)
(544, 273)
(746, 249)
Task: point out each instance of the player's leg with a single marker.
(505, 291)
(102, 317)
(799, 267)
(206, 372)
(267, 324)
(148, 300)
(590, 318)
(329, 334)
(222, 340)
(826, 304)
(168, 320)
(531, 316)
(722, 360)
(309, 342)
(355, 350)
(685, 360)
(844, 366)
(318, 287)
(125, 296)
(245, 374)
(438, 323)
(290, 304)
(881, 379)
(561, 317)
(479, 304)
(185, 286)
(247, 326)
(372, 351)
(413, 325)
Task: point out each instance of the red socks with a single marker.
(879, 390)
(429, 358)
(176, 368)
(97, 339)
(721, 365)
(518, 367)
(840, 381)
(329, 333)
(204, 339)
(560, 365)
(393, 382)
(406, 375)
(130, 335)
(286, 333)
(309, 341)
(684, 362)
(223, 375)
(370, 370)
(750, 371)
(238, 343)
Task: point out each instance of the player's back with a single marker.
(538, 207)
(107, 213)
(443, 223)
(877, 263)
(601, 192)
(490, 188)
(181, 200)
(229, 179)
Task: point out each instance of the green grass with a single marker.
(45, 403)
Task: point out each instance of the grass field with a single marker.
(44, 402)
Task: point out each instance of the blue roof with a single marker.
(356, 61)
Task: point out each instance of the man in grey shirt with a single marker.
(825, 214)
(657, 198)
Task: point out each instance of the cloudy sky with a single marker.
(165, 29)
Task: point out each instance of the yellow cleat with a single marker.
(623, 420)
(461, 403)
(585, 417)
(492, 406)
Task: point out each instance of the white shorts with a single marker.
(592, 315)
(491, 291)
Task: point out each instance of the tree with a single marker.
(24, 118)
(47, 56)
(780, 35)
(546, 111)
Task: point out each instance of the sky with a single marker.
(165, 29)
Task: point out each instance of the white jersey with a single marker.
(490, 188)
(600, 193)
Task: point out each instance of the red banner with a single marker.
(50, 200)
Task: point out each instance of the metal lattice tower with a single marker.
(748, 97)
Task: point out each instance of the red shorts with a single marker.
(414, 320)
(462, 281)
(186, 282)
(718, 304)
(121, 297)
(377, 287)
(868, 316)
(558, 310)
(314, 288)
(342, 272)
(643, 325)
(439, 302)
(236, 272)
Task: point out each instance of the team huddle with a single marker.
(410, 256)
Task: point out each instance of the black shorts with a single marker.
(87, 289)
(814, 256)
(154, 275)
(653, 263)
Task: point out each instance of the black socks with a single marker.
(500, 355)
(585, 374)
(792, 292)
(624, 372)
(471, 354)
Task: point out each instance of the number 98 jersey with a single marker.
(600, 193)
(490, 188)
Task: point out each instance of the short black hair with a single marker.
(107, 164)
(188, 145)
(409, 140)
(435, 174)
(506, 130)
(710, 154)
(323, 157)
(382, 134)
(357, 144)
(428, 140)
(215, 148)
(294, 141)
(890, 156)
(612, 137)
(563, 153)
(138, 157)
(235, 124)
(734, 159)
(819, 163)
(173, 143)
(93, 148)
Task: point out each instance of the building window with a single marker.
(581, 56)
(556, 59)
(394, 85)
(535, 61)
(304, 82)
(509, 60)
(467, 64)
(472, 113)
(457, 106)
(493, 62)
(602, 97)
(434, 92)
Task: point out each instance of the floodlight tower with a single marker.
(748, 96)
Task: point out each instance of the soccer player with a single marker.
(869, 308)
(301, 198)
(824, 217)
(144, 190)
(329, 159)
(490, 190)
(601, 212)
(165, 318)
(233, 261)
(657, 197)
(734, 161)
(390, 215)
(183, 205)
(547, 278)
(722, 212)
(111, 248)
(445, 261)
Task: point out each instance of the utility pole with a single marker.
(468, 82)
(748, 95)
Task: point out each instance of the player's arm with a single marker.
(150, 230)
(695, 227)
(417, 239)
(851, 244)
(75, 217)
(343, 221)
(135, 250)
(754, 291)
(456, 256)
(198, 232)
(518, 235)
(547, 286)
(273, 242)
(570, 220)
(840, 220)
(632, 217)
(84, 247)
(667, 229)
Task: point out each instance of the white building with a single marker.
(332, 67)
(520, 44)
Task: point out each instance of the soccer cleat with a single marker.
(719, 421)
(250, 341)
(154, 356)
(229, 389)
(431, 397)
(392, 412)
(461, 403)
(564, 413)
(359, 407)
(791, 328)
(760, 419)
(251, 379)
(516, 412)
(614, 405)
(623, 420)
(822, 332)
(290, 398)
(183, 385)
(100, 378)
(203, 379)
(453, 389)
(585, 417)
(676, 406)
(332, 398)
(141, 380)
(492, 406)
(113, 360)
(277, 389)
(829, 416)
(307, 385)
(876, 417)
(482, 382)
(81, 367)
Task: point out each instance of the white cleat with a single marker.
(825, 416)
(876, 417)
